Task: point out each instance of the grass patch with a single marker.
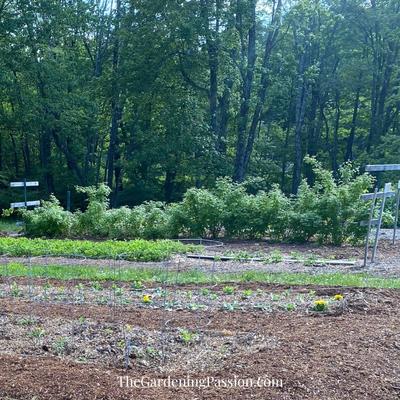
(8, 225)
(134, 250)
(92, 273)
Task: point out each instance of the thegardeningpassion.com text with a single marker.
(201, 383)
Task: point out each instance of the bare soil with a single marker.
(76, 351)
(75, 340)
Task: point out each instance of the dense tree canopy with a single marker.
(154, 97)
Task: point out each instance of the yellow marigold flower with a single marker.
(320, 305)
(338, 297)
(146, 298)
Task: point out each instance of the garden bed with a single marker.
(84, 345)
(89, 322)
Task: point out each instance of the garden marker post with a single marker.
(396, 211)
(25, 185)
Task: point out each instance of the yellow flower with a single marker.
(146, 298)
(320, 305)
(338, 297)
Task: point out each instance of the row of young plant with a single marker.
(133, 250)
(328, 211)
(228, 298)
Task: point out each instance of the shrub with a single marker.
(328, 211)
(202, 213)
(238, 208)
(121, 224)
(48, 220)
(152, 220)
(274, 211)
(93, 221)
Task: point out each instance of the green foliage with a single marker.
(151, 275)
(187, 337)
(49, 220)
(329, 211)
(135, 250)
(228, 290)
(93, 221)
(193, 98)
(201, 210)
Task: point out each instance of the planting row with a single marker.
(227, 298)
(122, 346)
(134, 250)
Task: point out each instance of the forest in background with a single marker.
(155, 97)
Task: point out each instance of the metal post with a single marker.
(378, 227)
(396, 211)
(25, 194)
(371, 216)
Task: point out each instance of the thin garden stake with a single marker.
(371, 216)
(396, 211)
(386, 191)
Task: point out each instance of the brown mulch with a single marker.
(354, 355)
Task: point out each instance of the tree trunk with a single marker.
(350, 139)
(224, 103)
(15, 154)
(302, 94)
(169, 185)
(247, 76)
(335, 146)
(116, 109)
(27, 155)
(269, 45)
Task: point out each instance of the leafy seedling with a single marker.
(61, 346)
(290, 307)
(137, 285)
(247, 294)
(229, 290)
(15, 290)
(230, 306)
(187, 337)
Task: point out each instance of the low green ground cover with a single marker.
(134, 250)
(94, 273)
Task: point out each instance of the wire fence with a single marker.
(131, 313)
(82, 282)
